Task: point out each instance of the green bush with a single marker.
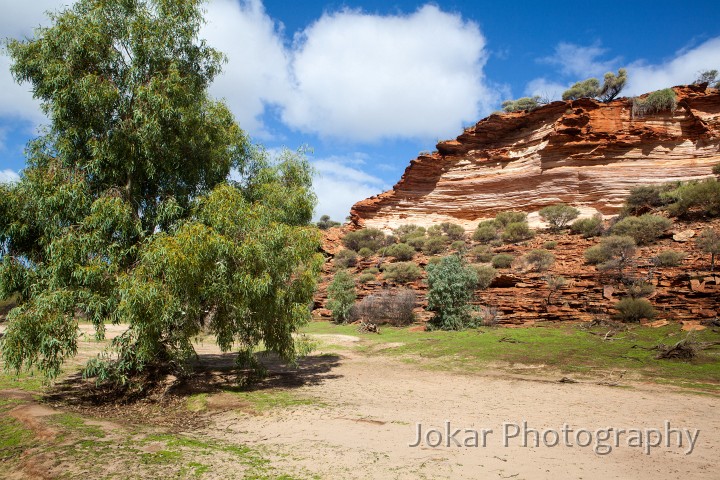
(709, 242)
(517, 232)
(405, 232)
(657, 101)
(453, 231)
(502, 260)
(634, 309)
(373, 270)
(365, 252)
(402, 272)
(559, 216)
(345, 258)
(588, 227)
(325, 222)
(418, 243)
(341, 296)
(550, 245)
(702, 197)
(371, 238)
(612, 85)
(434, 245)
(524, 103)
(614, 252)
(366, 277)
(458, 246)
(716, 169)
(451, 283)
(485, 275)
(589, 88)
(503, 219)
(668, 258)
(644, 229)
(485, 233)
(645, 198)
(539, 260)
(401, 251)
(481, 253)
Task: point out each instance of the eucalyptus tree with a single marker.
(124, 213)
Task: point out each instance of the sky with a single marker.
(368, 85)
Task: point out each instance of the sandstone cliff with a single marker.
(583, 152)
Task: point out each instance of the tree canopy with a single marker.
(124, 213)
(591, 88)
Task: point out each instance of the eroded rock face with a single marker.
(583, 152)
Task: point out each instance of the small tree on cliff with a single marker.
(451, 283)
(521, 104)
(559, 216)
(709, 242)
(124, 213)
(591, 88)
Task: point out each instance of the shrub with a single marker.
(645, 198)
(558, 216)
(485, 233)
(554, 283)
(716, 169)
(488, 316)
(634, 309)
(387, 307)
(373, 270)
(404, 232)
(524, 103)
(418, 243)
(434, 245)
(452, 230)
(365, 252)
(366, 277)
(612, 85)
(614, 252)
(371, 238)
(485, 275)
(589, 88)
(451, 284)
(709, 77)
(703, 197)
(640, 288)
(325, 222)
(539, 260)
(550, 245)
(503, 219)
(588, 227)
(345, 258)
(668, 258)
(481, 253)
(502, 260)
(401, 251)
(657, 101)
(517, 232)
(458, 245)
(402, 272)
(644, 229)
(341, 296)
(709, 242)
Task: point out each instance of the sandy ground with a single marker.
(373, 405)
(367, 409)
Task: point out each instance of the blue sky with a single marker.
(369, 84)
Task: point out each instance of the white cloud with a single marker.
(364, 77)
(8, 176)
(680, 70)
(339, 186)
(256, 73)
(581, 62)
(545, 89)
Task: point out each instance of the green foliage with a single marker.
(640, 288)
(485, 275)
(481, 253)
(695, 197)
(524, 103)
(373, 270)
(708, 76)
(401, 251)
(485, 232)
(589, 88)
(418, 243)
(405, 232)
(550, 245)
(634, 309)
(346, 258)
(613, 252)
(434, 245)
(668, 258)
(559, 216)
(124, 214)
(517, 232)
(325, 222)
(366, 277)
(645, 198)
(588, 227)
(453, 231)
(502, 260)
(364, 252)
(612, 85)
(341, 296)
(716, 169)
(539, 260)
(458, 246)
(451, 284)
(371, 238)
(644, 229)
(402, 272)
(657, 101)
(709, 242)
(503, 219)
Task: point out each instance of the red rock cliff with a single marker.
(583, 152)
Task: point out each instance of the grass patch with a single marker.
(14, 437)
(75, 424)
(553, 348)
(263, 400)
(197, 402)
